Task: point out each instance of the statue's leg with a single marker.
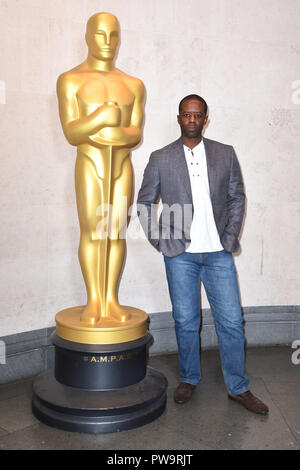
(88, 197)
(121, 199)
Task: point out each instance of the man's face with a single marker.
(102, 36)
(192, 118)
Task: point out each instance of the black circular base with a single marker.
(100, 366)
(94, 411)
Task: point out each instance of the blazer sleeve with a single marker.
(235, 204)
(147, 201)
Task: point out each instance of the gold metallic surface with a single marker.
(68, 326)
(101, 111)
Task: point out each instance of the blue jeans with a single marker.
(218, 274)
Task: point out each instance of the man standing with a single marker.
(203, 175)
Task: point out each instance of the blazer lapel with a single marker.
(211, 167)
(178, 162)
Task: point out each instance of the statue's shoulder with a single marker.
(72, 76)
(134, 83)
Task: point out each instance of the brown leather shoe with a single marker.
(252, 403)
(183, 392)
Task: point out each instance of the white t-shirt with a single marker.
(204, 233)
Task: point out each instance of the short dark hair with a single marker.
(194, 97)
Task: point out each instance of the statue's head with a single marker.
(102, 36)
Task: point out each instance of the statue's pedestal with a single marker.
(99, 388)
(106, 331)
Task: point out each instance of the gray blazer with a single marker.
(166, 176)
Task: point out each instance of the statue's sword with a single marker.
(107, 198)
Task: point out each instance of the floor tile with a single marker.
(151, 436)
(16, 388)
(272, 363)
(156, 436)
(222, 424)
(15, 413)
(3, 432)
(43, 437)
(286, 395)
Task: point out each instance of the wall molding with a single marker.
(31, 352)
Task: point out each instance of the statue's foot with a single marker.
(117, 312)
(91, 314)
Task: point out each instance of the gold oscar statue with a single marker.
(100, 381)
(101, 110)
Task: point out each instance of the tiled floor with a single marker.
(208, 421)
